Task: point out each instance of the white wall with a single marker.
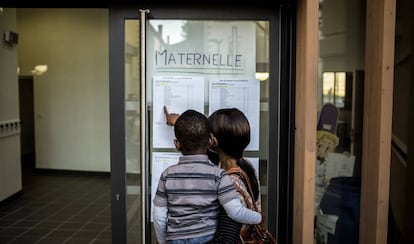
(72, 97)
(10, 172)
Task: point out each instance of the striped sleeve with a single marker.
(226, 191)
(160, 198)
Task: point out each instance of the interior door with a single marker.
(203, 58)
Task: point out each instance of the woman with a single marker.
(231, 130)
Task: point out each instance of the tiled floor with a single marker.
(58, 208)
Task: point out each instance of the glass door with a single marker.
(201, 59)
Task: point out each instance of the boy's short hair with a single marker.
(192, 131)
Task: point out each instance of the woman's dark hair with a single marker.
(232, 129)
(247, 167)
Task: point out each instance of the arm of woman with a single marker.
(240, 213)
(160, 223)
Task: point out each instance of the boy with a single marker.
(190, 192)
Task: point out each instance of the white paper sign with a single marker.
(339, 164)
(325, 224)
(178, 93)
(241, 94)
(160, 161)
(210, 48)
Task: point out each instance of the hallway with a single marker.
(58, 207)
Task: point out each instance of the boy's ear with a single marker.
(212, 141)
(177, 145)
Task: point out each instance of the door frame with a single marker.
(281, 119)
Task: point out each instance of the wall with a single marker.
(72, 98)
(10, 172)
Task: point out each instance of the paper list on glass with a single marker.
(160, 161)
(241, 94)
(178, 94)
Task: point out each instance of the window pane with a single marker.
(340, 89)
(339, 128)
(328, 87)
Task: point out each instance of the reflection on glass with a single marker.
(333, 88)
(337, 185)
(328, 87)
(132, 130)
(176, 35)
(192, 49)
(171, 32)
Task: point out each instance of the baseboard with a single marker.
(65, 172)
(11, 198)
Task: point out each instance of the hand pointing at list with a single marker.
(171, 117)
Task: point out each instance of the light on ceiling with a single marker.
(262, 71)
(39, 69)
(262, 76)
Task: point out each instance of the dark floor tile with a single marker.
(28, 210)
(101, 220)
(39, 231)
(58, 208)
(107, 234)
(102, 241)
(26, 223)
(56, 205)
(101, 203)
(6, 239)
(134, 237)
(15, 215)
(4, 213)
(33, 202)
(69, 210)
(105, 197)
(59, 217)
(89, 213)
(12, 231)
(36, 217)
(79, 241)
(72, 225)
(61, 233)
(63, 199)
(48, 224)
(95, 226)
(55, 240)
(25, 240)
(74, 205)
(33, 234)
(83, 234)
(7, 222)
(82, 218)
(41, 214)
(95, 208)
(12, 206)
